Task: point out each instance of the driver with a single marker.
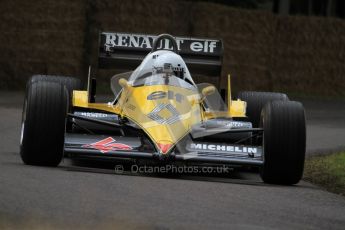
(169, 63)
(163, 63)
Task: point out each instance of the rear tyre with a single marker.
(284, 142)
(256, 101)
(43, 123)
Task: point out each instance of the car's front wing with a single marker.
(112, 148)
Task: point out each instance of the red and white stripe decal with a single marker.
(108, 144)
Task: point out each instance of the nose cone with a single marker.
(165, 113)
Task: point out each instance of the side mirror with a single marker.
(124, 83)
(208, 91)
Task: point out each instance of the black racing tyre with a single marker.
(256, 101)
(43, 123)
(71, 83)
(284, 142)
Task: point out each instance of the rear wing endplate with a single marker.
(125, 51)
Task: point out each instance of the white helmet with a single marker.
(163, 61)
(170, 63)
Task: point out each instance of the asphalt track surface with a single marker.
(71, 196)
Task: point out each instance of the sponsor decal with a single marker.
(171, 95)
(174, 114)
(108, 144)
(224, 148)
(140, 41)
(227, 124)
(236, 124)
(94, 115)
(131, 107)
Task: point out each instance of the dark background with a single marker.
(283, 45)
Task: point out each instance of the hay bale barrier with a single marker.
(40, 36)
(309, 55)
(263, 51)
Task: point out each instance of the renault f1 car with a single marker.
(160, 114)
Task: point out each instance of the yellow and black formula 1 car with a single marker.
(160, 114)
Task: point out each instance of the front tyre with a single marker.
(284, 142)
(43, 123)
(71, 83)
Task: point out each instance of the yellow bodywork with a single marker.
(166, 113)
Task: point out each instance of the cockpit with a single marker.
(162, 67)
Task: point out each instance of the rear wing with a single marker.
(126, 51)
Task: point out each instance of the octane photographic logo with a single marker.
(171, 168)
(108, 144)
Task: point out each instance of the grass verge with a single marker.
(328, 171)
